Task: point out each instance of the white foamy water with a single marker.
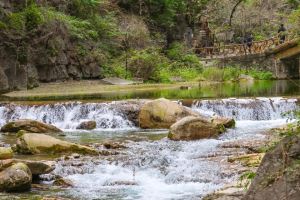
(247, 109)
(68, 116)
(165, 169)
(151, 170)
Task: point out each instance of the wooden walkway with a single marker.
(234, 50)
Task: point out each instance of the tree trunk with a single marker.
(233, 11)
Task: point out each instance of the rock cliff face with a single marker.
(46, 54)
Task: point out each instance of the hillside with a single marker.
(49, 41)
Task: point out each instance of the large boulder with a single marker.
(278, 176)
(6, 153)
(31, 126)
(36, 167)
(194, 128)
(162, 113)
(16, 178)
(33, 143)
(87, 125)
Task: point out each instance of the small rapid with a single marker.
(68, 116)
(247, 109)
(150, 169)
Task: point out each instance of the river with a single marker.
(151, 167)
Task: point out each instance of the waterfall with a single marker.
(68, 115)
(247, 109)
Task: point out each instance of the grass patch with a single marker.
(233, 74)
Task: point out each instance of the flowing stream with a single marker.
(153, 167)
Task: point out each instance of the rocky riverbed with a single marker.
(127, 162)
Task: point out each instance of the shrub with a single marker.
(260, 75)
(33, 17)
(83, 8)
(147, 64)
(176, 51)
(213, 74)
(80, 29)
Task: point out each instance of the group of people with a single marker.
(248, 40)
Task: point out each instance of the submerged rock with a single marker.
(278, 176)
(16, 178)
(32, 143)
(31, 126)
(63, 182)
(162, 113)
(194, 128)
(87, 125)
(113, 145)
(6, 153)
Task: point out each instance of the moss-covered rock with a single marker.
(226, 122)
(248, 160)
(32, 143)
(16, 178)
(194, 128)
(6, 153)
(162, 113)
(31, 126)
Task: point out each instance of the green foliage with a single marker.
(147, 64)
(176, 51)
(16, 21)
(294, 19)
(182, 57)
(213, 74)
(33, 17)
(294, 3)
(260, 75)
(233, 74)
(246, 178)
(84, 8)
(2, 25)
(80, 29)
(28, 19)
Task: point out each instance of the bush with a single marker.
(213, 74)
(33, 17)
(80, 29)
(147, 64)
(182, 57)
(84, 8)
(260, 75)
(176, 51)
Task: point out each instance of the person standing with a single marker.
(282, 34)
(248, 40)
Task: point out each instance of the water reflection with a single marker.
(219, 90)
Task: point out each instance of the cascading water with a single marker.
(247, 109)
(68, 115)
(161, 169)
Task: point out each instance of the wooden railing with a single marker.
(258, 47)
